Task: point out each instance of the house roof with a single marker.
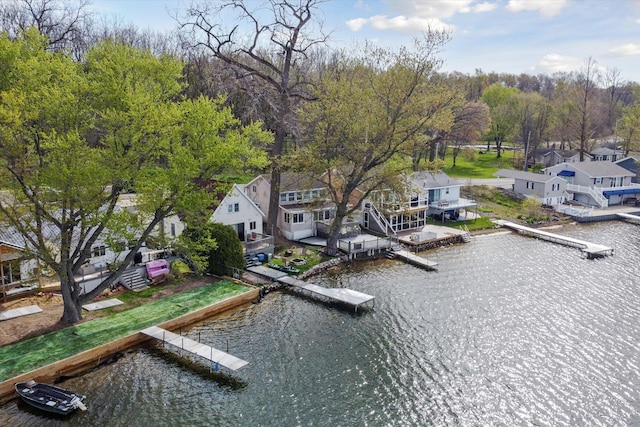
(427, 179)
(522, 175)
(595, 169)
(604, 151)
(603, 168)
(294, 181)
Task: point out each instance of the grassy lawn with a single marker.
(33, 353)
(483, 166)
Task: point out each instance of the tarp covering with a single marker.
(566, 173)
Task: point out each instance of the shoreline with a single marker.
(81, 361)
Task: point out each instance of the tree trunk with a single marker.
(72, 303)
(334, 231)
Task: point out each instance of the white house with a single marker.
(240, 212)
(600, 184)
(606, 154)
(302, 206)
(548, 189)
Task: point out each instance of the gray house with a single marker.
(600, 184)
(426, 194)
(548, 189)
(606, 154)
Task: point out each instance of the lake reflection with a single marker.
(509, 331)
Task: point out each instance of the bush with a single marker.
(213, 247)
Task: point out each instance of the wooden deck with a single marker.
(194, 347)
(348, 296)
(591, 249)
(416, 260)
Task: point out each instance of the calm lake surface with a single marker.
(510, 331)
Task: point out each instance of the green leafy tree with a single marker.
(76, 135)
(629, 128)
(500, 100)
(213, 247)
(370, 111)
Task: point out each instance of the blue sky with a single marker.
(512, 36)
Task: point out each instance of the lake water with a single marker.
(509, 331)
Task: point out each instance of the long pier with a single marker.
(194, 347)
(348, 296)
(416, 260)
(591, 249)
(630, 217)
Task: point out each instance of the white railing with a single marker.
(380, 219)
(577, 211)
(596, 195)
(350, 246)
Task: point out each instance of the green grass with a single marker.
(36, 352)
(475, 224)
(482, 167)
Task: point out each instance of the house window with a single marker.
(283, 197)
(173, 230)
(530, 185)
(597, 181)
(321, 215)
(11, 271)
(254, 189)
(230, 208)
(295, 218)
(236, 207)
(252, 225)
(292, 197)
(99, 251)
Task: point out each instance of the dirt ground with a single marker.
(21, 328)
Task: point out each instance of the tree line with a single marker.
(87, 106)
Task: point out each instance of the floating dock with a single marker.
(194, 347)
(630, 217)
(348, 296)
(591, 249)
(416, 260)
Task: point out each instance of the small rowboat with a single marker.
(50, 398)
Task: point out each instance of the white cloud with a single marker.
(414, 16)
(356, 24)
(545, 7)
(403, 23)
(629, 49)
(484, 7)
(553, 63)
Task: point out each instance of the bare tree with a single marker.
(267, 48)
(585, 91)
(65, 23)
(470, 123)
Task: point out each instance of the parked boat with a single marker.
(50, 398)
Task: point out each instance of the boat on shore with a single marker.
(50, 398)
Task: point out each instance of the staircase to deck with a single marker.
(132, 280)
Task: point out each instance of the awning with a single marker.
(566, 173)
(623, 191)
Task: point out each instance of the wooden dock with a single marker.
(348, 296)
(416, 260)
(591, 249)
(194, 347)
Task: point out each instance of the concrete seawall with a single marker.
(82, 360)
